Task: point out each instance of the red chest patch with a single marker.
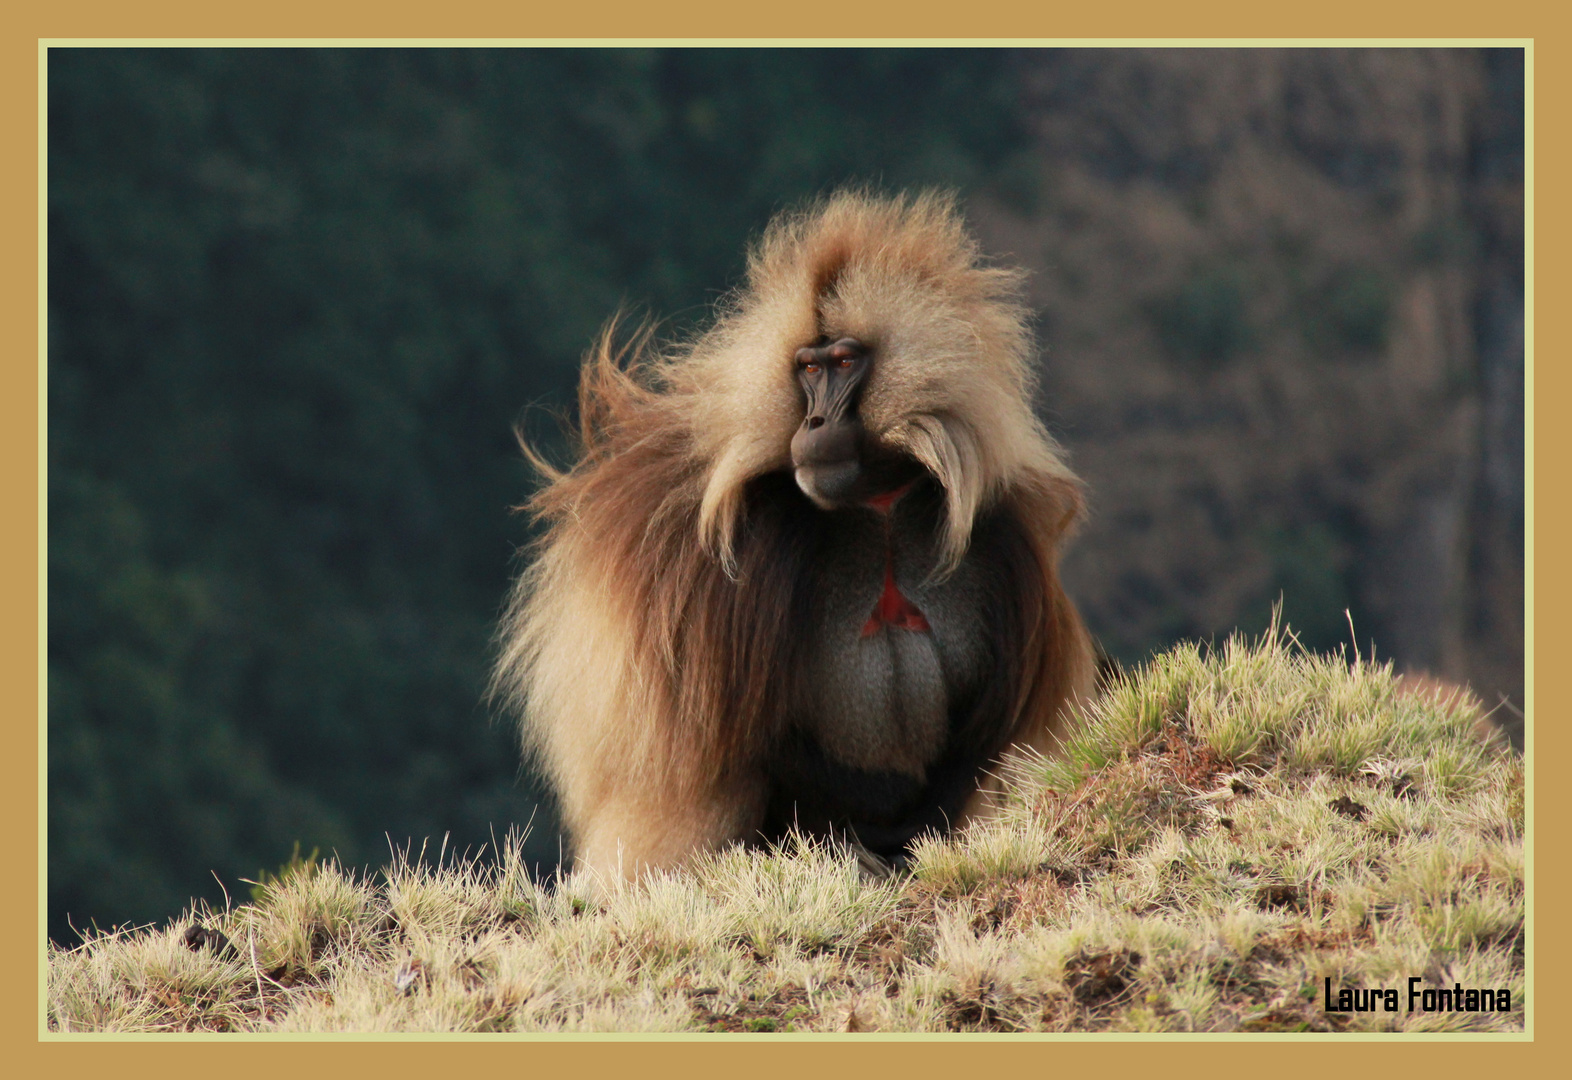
(893, 609)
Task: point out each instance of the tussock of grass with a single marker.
(1226, 830)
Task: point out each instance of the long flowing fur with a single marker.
(647, 644)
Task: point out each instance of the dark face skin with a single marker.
(832, 462)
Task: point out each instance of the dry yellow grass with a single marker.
(1229, 829)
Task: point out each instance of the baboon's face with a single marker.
(826, 451)
(833, 459)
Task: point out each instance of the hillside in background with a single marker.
(1282, 316)
(298, 299)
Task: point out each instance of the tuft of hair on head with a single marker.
(955, 372)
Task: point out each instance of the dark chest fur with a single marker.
(902, 683)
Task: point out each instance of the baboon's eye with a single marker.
(845, 353)
(811, 368)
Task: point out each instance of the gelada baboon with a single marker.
(804, 570)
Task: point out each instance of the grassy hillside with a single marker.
(1230, 828)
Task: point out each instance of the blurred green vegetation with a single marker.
(1205, 323)
(1351, 314)
(297, 300)
(1311, 589)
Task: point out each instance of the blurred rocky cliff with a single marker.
(1282, 318)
